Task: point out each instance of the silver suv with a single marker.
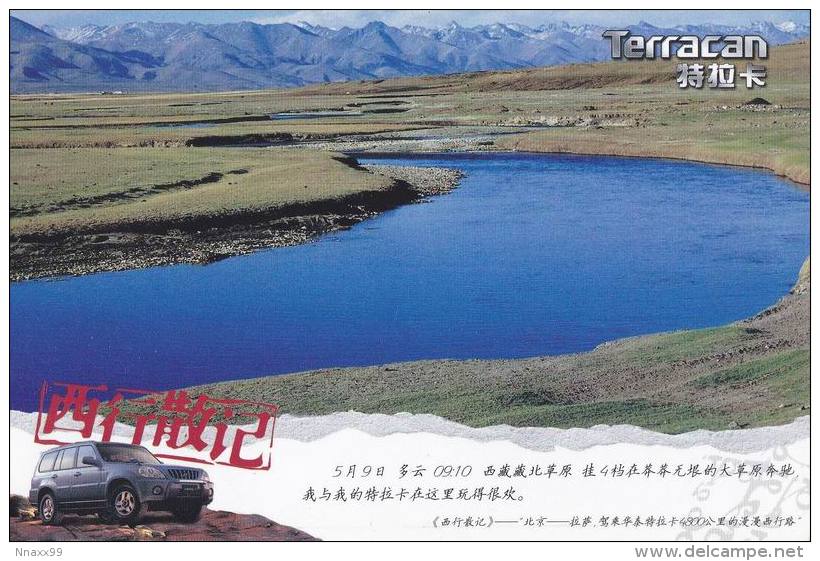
(116, 481)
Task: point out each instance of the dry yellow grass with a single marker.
(252, 180)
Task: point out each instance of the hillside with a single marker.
(787, 64)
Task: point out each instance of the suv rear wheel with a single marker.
(124, 505)
(48, 511)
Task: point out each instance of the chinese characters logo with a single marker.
(724, 75)
(191, 428)
(719, 75)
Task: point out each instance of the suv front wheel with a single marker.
(48, 511)
(124, 505)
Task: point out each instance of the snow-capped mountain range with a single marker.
(148, 56)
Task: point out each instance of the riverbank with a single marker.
(111, 231)
(568, 142)
(747, 374)
(565, 140)
(201, 220)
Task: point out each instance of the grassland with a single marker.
(114, 182)
(102, 190)
(639, 101)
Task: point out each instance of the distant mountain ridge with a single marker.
(148, 56)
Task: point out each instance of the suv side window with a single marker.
(47, 463)
(69, 459)
(84, 451)
(58, 459)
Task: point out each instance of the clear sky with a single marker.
(357, 18)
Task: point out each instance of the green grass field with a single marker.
(91, 189)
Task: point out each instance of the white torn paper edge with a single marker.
(308, 450)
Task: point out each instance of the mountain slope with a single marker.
(38, 58)
(149, 56)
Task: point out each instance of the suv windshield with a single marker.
(124, 453)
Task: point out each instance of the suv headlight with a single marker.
(150, 472)
(204, 476)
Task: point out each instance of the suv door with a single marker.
(64, 475)
(88, 487)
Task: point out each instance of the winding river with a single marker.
(532, 254)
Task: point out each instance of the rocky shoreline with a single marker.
(426, 181)
(218, 237)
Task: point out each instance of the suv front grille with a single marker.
(191, 490)
(177, 473)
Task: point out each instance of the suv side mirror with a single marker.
(91, 461)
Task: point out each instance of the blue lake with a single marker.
(531, 255)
